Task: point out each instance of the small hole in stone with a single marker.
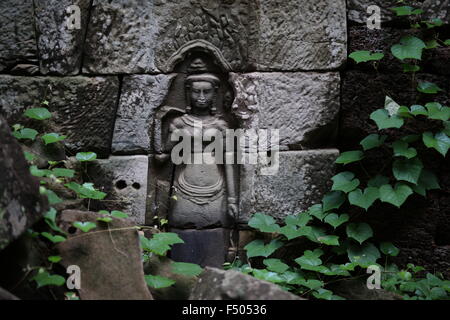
(121, 184)
(136, 185)
(72, 230)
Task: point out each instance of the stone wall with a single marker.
(286, 61)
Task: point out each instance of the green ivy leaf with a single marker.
(267, 276)
(364, 56)
(395, 196)
(158, 282)
(435, 22)
(378, 181)
(432, 44)
(50, 219)
(119, 214)
(349, 157)
(406, 11)
(54, 259)
(389, 249)
(52, 196)
(407, 170)
(61, 172)
(264, 223)
(333, 200)
(447, 42)
(38, 113)
(300, 220)
(43, 278)
(310, 259)
(440, 142)
(84, 226)
(25, 133)
(385, 121)
(325, 294)
(373, 141)
(401, 150)
(86, 191)
(276, 265)
(257, 248)
(438, 112)
(290, 232)
(410, 67)
(410, 47)
(428, 87)
(364, 255)
(105, 219)
(35, 171)
(186, 269)
(427, 181)
(329, 240)
(418, 110)
(50, 138)
(52, 238)
(86, 156)
(364, 200)
(317, 211)
(359, 231)
(345, 182)
(336, 220)
(161, 242)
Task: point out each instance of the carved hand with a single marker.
(233, 210)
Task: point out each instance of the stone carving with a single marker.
(83, 108)
(60, 48)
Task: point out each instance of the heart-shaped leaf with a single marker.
(364, 56)
(25, 133)
(406, 11)
(401, 150)
(264, 223)
(428, 87)
(410, 47)
(440, 142)
(378, 181)
(38, 113)
(267, 276)
(329, 240)
(385, 121)
(276, 265)
(418, 110)
(310, 259)
(300, 220)
(345, 182)
(395, 196)
(43, 278)
(373, 141)
(86, 156)
(389, 249)
(52, 238)
(349, 157)
(364, 200)
(50, 138)
(257, 248)
(407, 170)
(186, 269)
(61, 172)
(160, 243)
(336, 220)
(438, 112)
(427, 181)
(410, 67)
(158, 282)
(84, 226)
(333, 200)
(359, 231)
(364, 255)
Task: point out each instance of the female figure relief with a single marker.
(204, 194)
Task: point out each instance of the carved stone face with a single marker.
(202, 95)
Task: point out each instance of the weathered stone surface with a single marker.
(110, 261)
(60, 48)
(146, 37)
(301, 35)
(121, 37)
(21, 204)
(302, 179)
(141, 95)
(215, 284)
(203, 247)
(124, 179)
(357, 9)
(17, 39)
(303, 106)
(83, 108)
